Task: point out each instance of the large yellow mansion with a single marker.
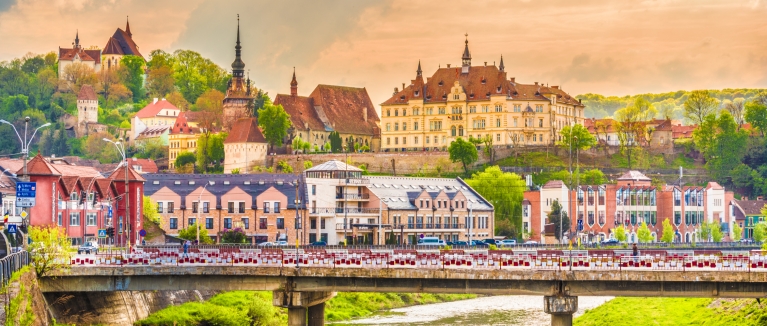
(476, 101)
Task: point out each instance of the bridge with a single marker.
(302, 281)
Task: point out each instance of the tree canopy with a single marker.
(556, 215)
(722, 144)
(576, 137)
(464, 152)
(698, 105)
(274, 123)
(505, 191)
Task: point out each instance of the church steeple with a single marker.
(501, 67)
(127, 27)
(466, 58)
(238, 67)
(294, 84)
(419, 72)
(77, 39)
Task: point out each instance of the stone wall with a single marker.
(115, 308)
(24, 301)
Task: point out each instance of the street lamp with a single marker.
(25, 147)
(121, 149)
(297, 223)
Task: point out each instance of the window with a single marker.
(266, 208)
(517, 107)
(441, 110)
(276, 207)
(404, 126)
(515, 122)
(205, 207)
(453, 131)
(170, 207)
(404, 111)
(388, 127)
(396, 126)
(435, 125)
(396, 140)
(242, 207)
(497, 137)
(415, 140)
(209, 223)
(74, 219)
(262, 223)
(415, 125)
(539, 108)
(388, 141)
(677, 217)
(473, 109)
(498, 122)
(498, 108)
(396, 112)
(191, 221)
(479, 124)
(227, 223)
(314, 190)
(485, 108)
(404, 140)
(416, 111)
(540, 123)
(90, 219)
(60, 219)
(159, 207)
(280, 223)
(388, 113)
(230, 207)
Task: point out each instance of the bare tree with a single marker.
(737, 108)
(698, 105)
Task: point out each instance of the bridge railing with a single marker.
(12, 263)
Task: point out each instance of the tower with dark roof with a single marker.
(119, 45)
(238, 92)
(466, 58)
(294, 84)
(501, 67)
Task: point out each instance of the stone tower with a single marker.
(238, 93)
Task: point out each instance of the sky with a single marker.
(610, 47)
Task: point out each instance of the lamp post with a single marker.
(85, 207)
(25, 148)
(121, 149)
(297, 223)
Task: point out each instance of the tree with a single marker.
(336, 144)
(760, 231)
(50, 249)
(464, 152)
(150, 210)
(308, 165)
(505, 191)
(183, 159)
(274, 123)
(705, 231)
(698, 105)
(668, 232)
(737, 232)
(77, 74)
(576, 136)
(132, 67)
(201, 154)
(630, 124)
(215, 149)
(721, 143)
(236, 235)
(118, 93)
(210, 104)
(643, 233)
(716, 232)
(190, 233)
(95, 149)
(61, 147)
(178, 100)
(108, 79)
(620, 234)
(299, 144)
(557, 216)
(159, 81)
(736, 108)
(756, 115)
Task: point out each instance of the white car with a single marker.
(508, 243)
(90, 247)
(265, 244)
(281, 243)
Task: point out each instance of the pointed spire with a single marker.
(77, 39)
(501, 67)
(127, 27)
(294, 84)
(466, 54)
(419, 71)
(238, 67)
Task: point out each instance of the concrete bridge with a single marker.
(304, 289)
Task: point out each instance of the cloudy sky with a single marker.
(612, 47)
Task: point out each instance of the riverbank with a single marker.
(676, 311)
(247, 307)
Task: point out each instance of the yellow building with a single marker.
(476, 101)
(182, 137)
(156, 115)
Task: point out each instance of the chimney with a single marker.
(396, 91)
(555, 87)
(485, 63)
(403, 86)
(448, 65)
(512, 79)
(155, 100)
(364, 114)
(536, 83)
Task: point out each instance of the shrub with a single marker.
(236, 235)
(285, 167)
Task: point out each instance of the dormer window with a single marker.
(440, 83)
(498, 89)
(416, 93)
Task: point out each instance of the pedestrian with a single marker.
(186, 248)
(635, 252)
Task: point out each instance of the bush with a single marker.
(236, 235)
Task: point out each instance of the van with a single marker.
(429, 241)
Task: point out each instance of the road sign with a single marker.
(26, 189)
(24, 214)
(109, 213)
(11, 228)
(102, 233)
(142, 233)
(25, 201)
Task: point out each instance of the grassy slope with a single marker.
(675, 311)
(240, 307)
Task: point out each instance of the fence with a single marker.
(12, 263)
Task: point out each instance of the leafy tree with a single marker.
(235, 171)
(308, 165)
(183, 159)
(630, 124)
(285, 167)
(721, 143)
(61, 147)
(620, 234)
(133, 75)
(737, 232)
(50, 249)
(178, 100)
(756, 115)
(698, 105)
(576, 136)
(505, 191)
(336, 145)
(557, 213)
(299, 144)
(201, 154)
(236, 235)
(211, 104)
(668, 232)
(274, 123)
(760, 231)
(108, 79)
(215, 148)
(716, 232)
(159, 81)
(77, 74)
(705, 231)
(464, 152)
(190, 233)
(95, 149)
(33, 65)
(258, 102)
(643, 233)
(150, 210)
(736, 108)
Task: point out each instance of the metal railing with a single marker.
(353, 196)
(339, 210)
(12, 263)
(429, 226)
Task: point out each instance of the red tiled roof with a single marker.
(77, 170)
(147, 165)
(714, 186)
(592, 124)
(664, 125)
(343, 107)
(121, 43)
(680, 131)
(301, 111)
(85, 55)
(119, 175)
(554, 184)
(87, 94)
(181, 126)
(155, 109)
(38, 166)
(70, 183)
(245, 131)
(750, 207)
(634, 175)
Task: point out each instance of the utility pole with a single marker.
(297, 223)
(470, 221)
(346, 185)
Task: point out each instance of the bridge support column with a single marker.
(299, 303)
(561, 308)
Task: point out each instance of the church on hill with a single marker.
(120, 44)
(90, 57)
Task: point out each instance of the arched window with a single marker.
(452, 131)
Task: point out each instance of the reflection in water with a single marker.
(495, 310)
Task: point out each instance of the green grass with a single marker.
(347, 306)
(675, 311)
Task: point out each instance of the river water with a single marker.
(494, 310)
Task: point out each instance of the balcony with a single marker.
(353, 181)
(353, 196)
(339, 210)
(430, 226)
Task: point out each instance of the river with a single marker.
(494, 310)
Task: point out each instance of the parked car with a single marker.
(319, 244)
(491, 242)
(531, 242)
(508, 243)
(478, 243)
(430, 241)
(610, 242)
(460, 243)
(281, 243)
(266, 244)
(88, 248)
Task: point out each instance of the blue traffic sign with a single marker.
(26, 189)
(109, 214)
(11, 228)
(102, 233)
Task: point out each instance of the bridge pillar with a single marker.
(299, 303)
(561, 308)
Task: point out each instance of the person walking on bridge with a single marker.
(635, 252)
(186, 248)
